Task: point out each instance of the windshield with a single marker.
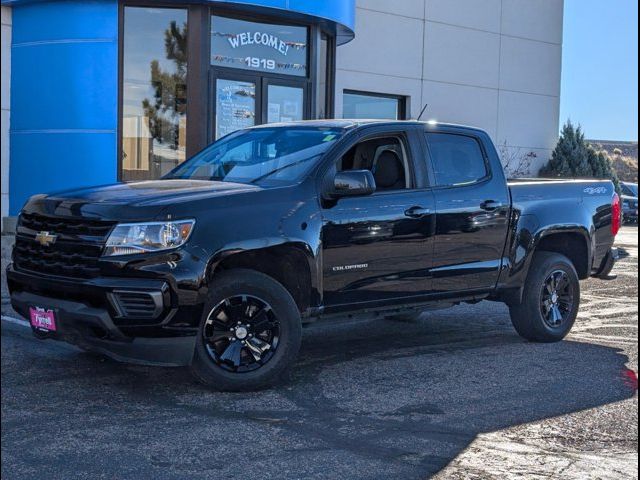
(264, 155)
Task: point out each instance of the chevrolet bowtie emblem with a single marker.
(45, 238)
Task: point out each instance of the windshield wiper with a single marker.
(278, 170)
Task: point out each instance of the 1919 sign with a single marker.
(263, 63)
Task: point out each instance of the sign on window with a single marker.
(259, 46)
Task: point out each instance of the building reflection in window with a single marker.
(154, 95)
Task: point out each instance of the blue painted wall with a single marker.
(64, 91)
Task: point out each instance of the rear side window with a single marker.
(457, 159)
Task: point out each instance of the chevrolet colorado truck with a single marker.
(218, 265)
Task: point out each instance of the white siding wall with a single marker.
(5, 84)
(494, 64)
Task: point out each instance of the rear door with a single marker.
(472, 211)
(379, 247)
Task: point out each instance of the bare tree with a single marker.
(516, 161)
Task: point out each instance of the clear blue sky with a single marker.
(600, 68)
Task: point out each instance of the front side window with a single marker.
(385, 158)
(457, 159)
(154, 91)
(357, 105)
(265, 156)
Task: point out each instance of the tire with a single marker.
(529, 317)
(220, 364)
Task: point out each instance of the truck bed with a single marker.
(568, 204)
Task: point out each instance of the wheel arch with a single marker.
(572, 242)
(291, 264)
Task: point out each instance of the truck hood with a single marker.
(144, 200)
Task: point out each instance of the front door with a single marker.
(379, 247)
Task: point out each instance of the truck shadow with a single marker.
(405, 398)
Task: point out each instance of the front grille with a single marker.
(133, 304)
(66, 260)
(64, 226)
(75, 252)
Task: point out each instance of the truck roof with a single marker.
(352, 123)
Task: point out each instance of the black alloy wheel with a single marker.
(556, 302)
(550, 299)
(249, 334)
(241, 333)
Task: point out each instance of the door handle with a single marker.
(490, 205)
(417, 212)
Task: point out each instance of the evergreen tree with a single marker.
(570, 155)
(574, 158)
(603, 167)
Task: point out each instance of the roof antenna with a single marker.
(423, 110)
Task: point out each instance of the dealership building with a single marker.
(100, 91)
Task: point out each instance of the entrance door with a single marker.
(242, 101)
(235, 104)
(284, 101)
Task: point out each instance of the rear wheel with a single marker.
(551, 299)
(249, 335)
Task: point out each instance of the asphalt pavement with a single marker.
(456, 395)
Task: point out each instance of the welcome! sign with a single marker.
(263, 47)
(258, 38)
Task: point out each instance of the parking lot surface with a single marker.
(456, 395)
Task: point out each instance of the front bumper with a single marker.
(92, 329)
(86, 318)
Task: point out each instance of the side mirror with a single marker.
(353, 183)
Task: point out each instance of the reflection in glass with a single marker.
(235, 106)
(285, 104)
(362, 106)
(323, 77)
(154, 105)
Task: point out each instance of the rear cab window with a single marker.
(457, 160)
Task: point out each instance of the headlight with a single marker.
(132, 238)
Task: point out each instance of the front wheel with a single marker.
(249, 335)
(551, 299)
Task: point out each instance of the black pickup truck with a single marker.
(218, 265)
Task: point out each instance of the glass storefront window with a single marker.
(259, 47)
(235, 106)
(358, 105)
(285, 104)
(154, 91)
